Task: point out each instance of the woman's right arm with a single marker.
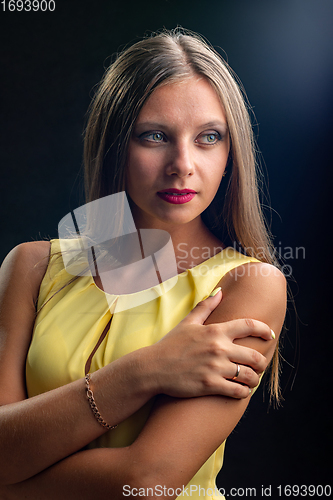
(36, 433)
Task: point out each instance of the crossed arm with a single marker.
(179, 436)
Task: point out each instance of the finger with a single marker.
(237, 391)
(245, 356)
(247, 327)
(233, 390)
(204, 308)
(244, 375)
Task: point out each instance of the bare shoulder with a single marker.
(254, 291)
(30, 252)
(257, 290)
(21, 274)
(257, 277)
(25, 265)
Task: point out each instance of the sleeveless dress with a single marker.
(69, 327)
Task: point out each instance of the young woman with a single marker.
(110, 392)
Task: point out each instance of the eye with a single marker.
(209, 138)
(153, 137)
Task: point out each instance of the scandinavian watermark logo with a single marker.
(133, 267)
(100, 240)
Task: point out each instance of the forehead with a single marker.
(191, 100)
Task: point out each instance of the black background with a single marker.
(282, 52)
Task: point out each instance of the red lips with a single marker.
(177, 196)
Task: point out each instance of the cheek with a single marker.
(214, 180)
(140, 176)
(133, 170)
(214, 169)
(141, 164)
(142, 170)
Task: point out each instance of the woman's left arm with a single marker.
(185, 432)
(180, 434)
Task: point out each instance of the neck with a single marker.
(193, 243)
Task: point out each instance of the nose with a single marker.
(180, 161)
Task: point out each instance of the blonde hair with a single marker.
(164, 58)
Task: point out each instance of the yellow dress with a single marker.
(69, 326)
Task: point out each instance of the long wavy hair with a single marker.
(235, 215)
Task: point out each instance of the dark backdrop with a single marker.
(282, 52)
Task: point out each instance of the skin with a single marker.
(40, 457)
(171, 148)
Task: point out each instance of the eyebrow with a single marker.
(215, 123)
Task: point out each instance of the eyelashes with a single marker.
(153, 137)
(209, 138)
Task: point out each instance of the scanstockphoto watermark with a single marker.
(284, 254)
(185, 491)
(280, 491)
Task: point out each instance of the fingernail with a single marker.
(215, 292)
(273, 334)
(250, 390)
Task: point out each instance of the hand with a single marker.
(195, 359)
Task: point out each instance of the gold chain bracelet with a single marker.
(93, 406)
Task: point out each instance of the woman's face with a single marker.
(177, 154)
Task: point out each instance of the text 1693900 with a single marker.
(28, 5)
